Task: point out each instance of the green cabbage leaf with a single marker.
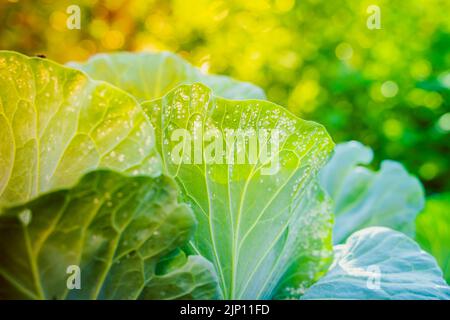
(122, 234)
(56, 124)
(264, 223)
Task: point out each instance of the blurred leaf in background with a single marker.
(388, 87)
(433, 230)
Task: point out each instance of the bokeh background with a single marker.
(387, 88)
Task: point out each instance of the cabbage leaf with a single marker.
(148, 76)
(380, 263)
(390, 197)
(116, 229)
(56, 123)
(265, 225)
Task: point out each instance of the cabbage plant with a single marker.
(121, 168)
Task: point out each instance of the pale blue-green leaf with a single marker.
(390, 197)
(380, 263)
(148, 75)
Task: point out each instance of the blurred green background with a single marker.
(387, 88)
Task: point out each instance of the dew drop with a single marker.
(25, 217)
